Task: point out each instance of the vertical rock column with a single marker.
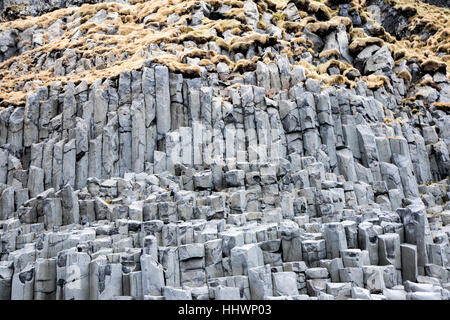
(138, 134)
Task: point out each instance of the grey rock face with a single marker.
(380, 60)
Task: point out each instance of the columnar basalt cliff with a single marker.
(270, 149)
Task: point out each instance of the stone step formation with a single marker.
(276, 149)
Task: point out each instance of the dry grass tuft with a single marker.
(375, 81)
(325, 27)
(244, 65)
(444, 106)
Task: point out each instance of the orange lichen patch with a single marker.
(358, 44)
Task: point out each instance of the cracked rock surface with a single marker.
(227, 150)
